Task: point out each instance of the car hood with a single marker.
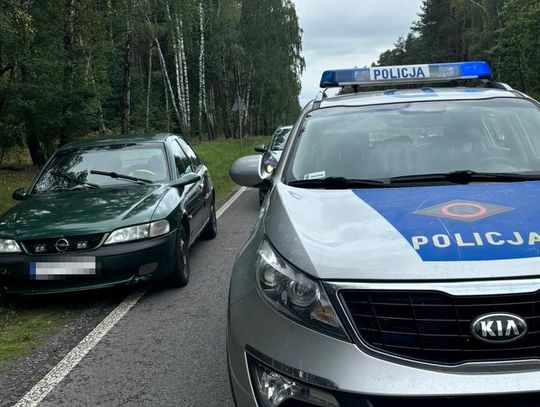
(80, 212)
(452, 232)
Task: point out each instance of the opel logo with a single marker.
(61, 245)
(499, 328)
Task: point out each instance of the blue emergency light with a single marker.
(403, 74)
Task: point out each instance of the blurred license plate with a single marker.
(55, 269)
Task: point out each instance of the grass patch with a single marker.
(21, 329)
(22, 325)
(219, 156)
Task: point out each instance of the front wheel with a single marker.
(210, 230)
(180, 276)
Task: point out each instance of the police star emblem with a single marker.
(464, 211)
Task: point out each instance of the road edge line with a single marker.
(228, 204)
(47, 384)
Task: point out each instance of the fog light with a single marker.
(82, 245)
(40, 249)
(274, 389)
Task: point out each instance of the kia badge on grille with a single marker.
(499, 328)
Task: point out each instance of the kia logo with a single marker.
(62, 245)
(499, 328)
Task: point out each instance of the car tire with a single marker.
(180, 276)
(210, 230)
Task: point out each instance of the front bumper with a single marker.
(116, 265)
(354, 376)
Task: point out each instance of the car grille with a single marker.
(436, 327)
(74, 244)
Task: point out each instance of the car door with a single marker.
(192, 192)
(205, 185)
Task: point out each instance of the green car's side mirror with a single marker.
(260, 148)
(186, 179)
(20, 194)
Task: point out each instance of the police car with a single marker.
(396, 260)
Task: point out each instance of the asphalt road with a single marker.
(169, 350)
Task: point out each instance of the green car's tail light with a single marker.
(274, 389)
(9, 246)
(139, 232)
(295, 294)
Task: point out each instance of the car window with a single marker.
(142, 161)
(181, 160)
(496, 135)
(191, 154)
(279, 139)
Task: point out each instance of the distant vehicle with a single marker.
(395, 261)
(272, 155)
(108, 212)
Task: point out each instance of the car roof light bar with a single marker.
(404, 74)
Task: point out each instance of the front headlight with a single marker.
(294, 293)
(139, 232)
(9, 246)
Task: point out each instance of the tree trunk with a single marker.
(202, 81)
(69, 62)
(148, 87)
(34, 147)
(126, 94)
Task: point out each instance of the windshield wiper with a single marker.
(337, 183)
(77, 181)
(122, 176)
(465, 177)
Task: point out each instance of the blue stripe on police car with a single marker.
(476, 221)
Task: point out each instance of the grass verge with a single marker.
(219, 156)
(22, 327)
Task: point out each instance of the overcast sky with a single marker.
(347, 33)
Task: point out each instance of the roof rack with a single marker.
(497, 85)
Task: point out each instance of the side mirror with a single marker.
(247, 171)
(20, 194)
(260, 148)
(186, 179)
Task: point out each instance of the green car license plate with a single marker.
(55, 268)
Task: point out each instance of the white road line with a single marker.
(227, 204)
(73, 358)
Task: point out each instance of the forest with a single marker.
(104, 68)
(506, 33)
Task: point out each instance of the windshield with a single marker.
(70, 169)
(381, 142)
(279, 139)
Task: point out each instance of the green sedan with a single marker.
(108, 212)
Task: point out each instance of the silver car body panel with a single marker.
(336, 235)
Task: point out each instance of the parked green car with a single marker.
(108, 212)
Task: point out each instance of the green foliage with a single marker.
(517, 46)
(504, 32)
(69, 68)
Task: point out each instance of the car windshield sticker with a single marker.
(315, 175)
(464, 222)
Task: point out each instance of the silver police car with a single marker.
(396, 259)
